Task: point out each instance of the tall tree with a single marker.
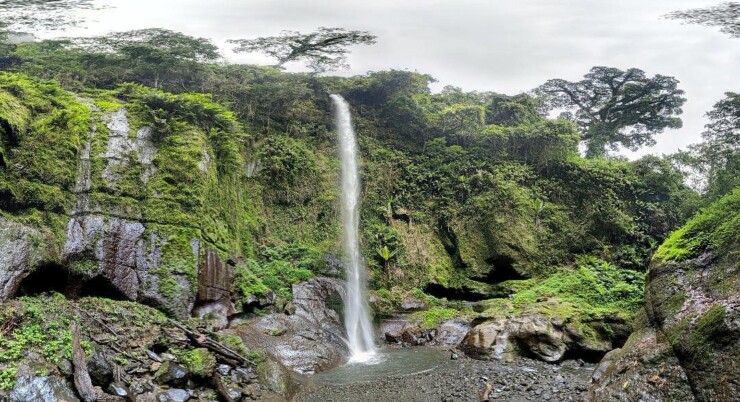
(615, 107)
(726, 16)
(152, 56)
(323, 50)
(717, 159)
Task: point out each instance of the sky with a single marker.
(483, 45)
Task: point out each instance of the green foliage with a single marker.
(715, 228)
(594, 287)
(277, 269)
(199, 362)
(434, 316)
(615, 107)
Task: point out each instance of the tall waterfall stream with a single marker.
(356, 316)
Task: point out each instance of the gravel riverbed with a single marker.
(464, 379)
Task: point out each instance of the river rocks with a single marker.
(401, 329)
(172, 374)
(42, 389)
(22, 249)
(100, 368)
(310, 339)
(546, 338)
(174, 395)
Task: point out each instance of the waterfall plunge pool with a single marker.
(385, 363)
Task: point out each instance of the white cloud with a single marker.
(504, 46)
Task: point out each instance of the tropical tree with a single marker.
(151, 56)
(717, 159)
(615, 107)
(323, 50)
(726, 16)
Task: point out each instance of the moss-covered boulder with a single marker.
(692, 304)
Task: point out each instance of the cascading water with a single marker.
(356, 317)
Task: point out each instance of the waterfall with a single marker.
(356, 317)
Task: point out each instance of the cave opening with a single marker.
(502, 270)
(101, 287)
(47, 278)
(463, 293)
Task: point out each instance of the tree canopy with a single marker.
(717, 159)
(725, 15)
(322, 50)
(615, 107)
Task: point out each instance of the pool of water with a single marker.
(386, 363)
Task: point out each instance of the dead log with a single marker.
(221, 388)
(213, 345)
(82, 380)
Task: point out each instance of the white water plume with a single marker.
(356, 317)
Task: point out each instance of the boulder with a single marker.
(172, 374)
(543, 337)
(309, 340)
(686, 345)
(174, 395)
(42, 389)
(100, 368)
(22, 249)
(401, 329)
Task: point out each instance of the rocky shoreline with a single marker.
(465, 379)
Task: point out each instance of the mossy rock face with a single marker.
(691, 301)
(132, 185)
(645, 368)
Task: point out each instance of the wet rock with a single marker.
(214, 285)
(174, 395)
(335, 266)
(223, 369)
(400, 330)
(118, 389)
(100, 368)
(42, 389)
(20, 253)
(310, 340)
(171, 374)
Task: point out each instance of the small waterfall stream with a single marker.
(356, 317)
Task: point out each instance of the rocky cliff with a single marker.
(129, 194)
(686, 345)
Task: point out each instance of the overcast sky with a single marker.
(505, 46)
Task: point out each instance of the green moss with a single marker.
(710, 325)
(434, 316)
(83, 266)
(199, 362)
(594, 288)
(715, 228)
(7, 377)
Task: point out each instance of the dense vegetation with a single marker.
(467, 195)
